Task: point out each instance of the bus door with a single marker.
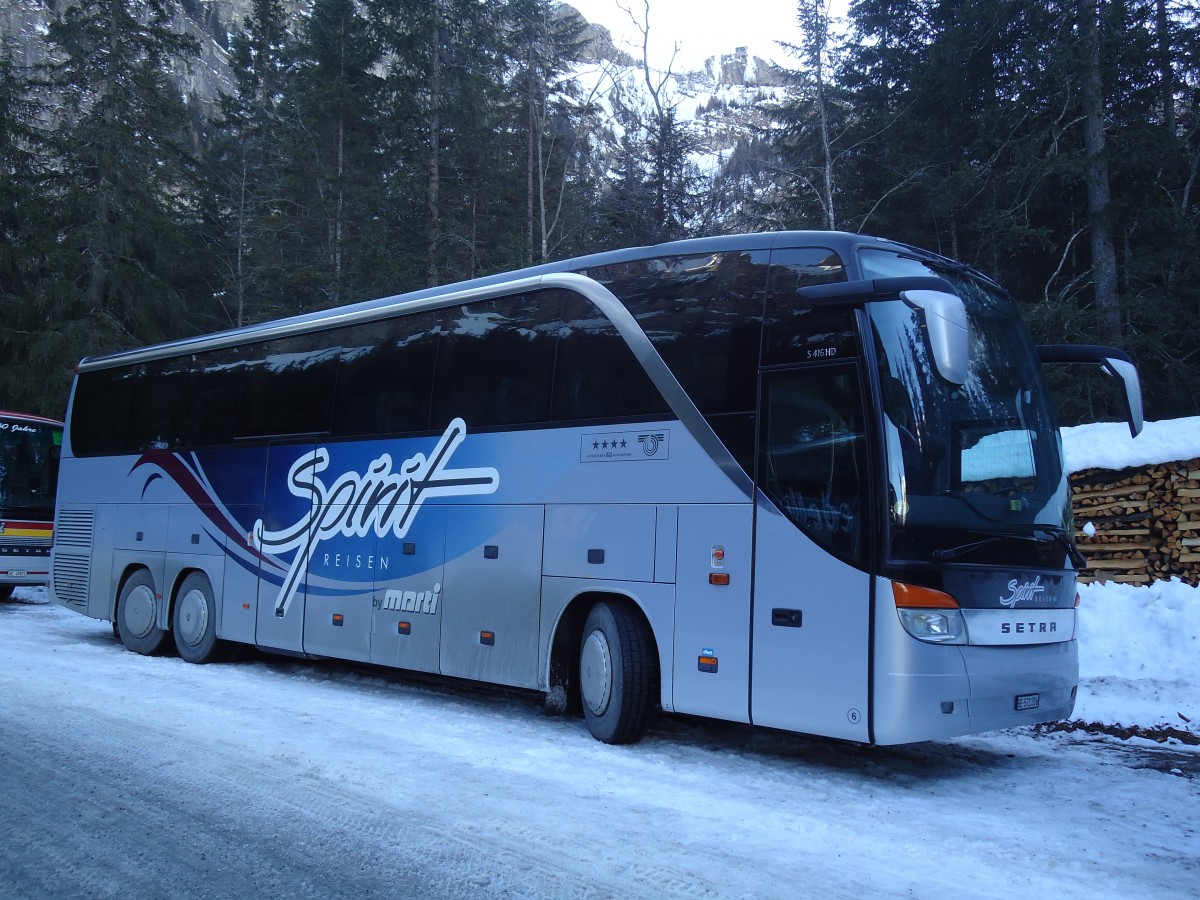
(283, 537)
(811, 586)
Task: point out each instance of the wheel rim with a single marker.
(193, 617)
(139, 611)
(595, 672)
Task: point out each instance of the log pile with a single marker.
(1147, 522)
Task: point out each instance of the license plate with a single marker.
(1028, 701)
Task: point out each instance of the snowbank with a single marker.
(1139, 655)
(1107, 445)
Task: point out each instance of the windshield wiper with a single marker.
(1078, 560)
(1038, 534)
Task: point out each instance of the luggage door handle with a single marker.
(787, 618)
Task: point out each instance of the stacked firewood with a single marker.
(1139, 525)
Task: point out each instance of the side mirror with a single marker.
(945, 313)
(949, 333)
(1112, 361)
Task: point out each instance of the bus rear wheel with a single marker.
(616, 673)
(137, 615)
(194, 621)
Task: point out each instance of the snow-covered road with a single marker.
(148, 777)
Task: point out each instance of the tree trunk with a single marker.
(531, 126)
(434, 218)
(1096, 176)
(1166, 73)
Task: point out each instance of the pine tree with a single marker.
(1006, 163)
(544, 41)
(332, 170)
(245, 169)
(128, 267)
(455, 178)
(24, 239)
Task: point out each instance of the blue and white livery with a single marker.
(802, 480)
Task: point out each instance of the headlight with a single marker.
(929, 615)
(938, 626)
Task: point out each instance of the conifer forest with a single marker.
(355, 149)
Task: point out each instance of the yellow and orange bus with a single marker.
(29, 451)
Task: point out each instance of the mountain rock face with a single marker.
(723, 105)
(719, 97)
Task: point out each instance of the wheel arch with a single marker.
(180, 577)
(131, 568)
(561, 678)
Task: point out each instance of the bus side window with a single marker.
(288, 387)
(159, 404)
(495, 361)
(596, 374)
(813, 465)
(386, 375)
(100, 412)
(213, 402)
(703, 314)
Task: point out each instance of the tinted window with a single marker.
(288, 387)
(528, 359)
(100, 411)
(597, 375)
(796, 332)
(216, 387)
(386, 377)
(28, 468)
(814, 456)
(495, 361)
(159, 405)
(704, 316)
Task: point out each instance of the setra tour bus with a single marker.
(29, 451)
(804, 480)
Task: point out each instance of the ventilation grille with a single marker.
(71, 577)
(72, 532)
(74, 528)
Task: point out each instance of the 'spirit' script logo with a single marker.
(380, 499)
(1022, 592)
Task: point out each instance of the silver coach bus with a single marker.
(804, 480)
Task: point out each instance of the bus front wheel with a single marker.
(137, 615)
(616, 673)
(194, 621)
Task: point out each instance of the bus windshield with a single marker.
(974, 471)
(28, 468)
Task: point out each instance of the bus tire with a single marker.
(194, 621)
(616, 673)
(6, 591)
(137, 615)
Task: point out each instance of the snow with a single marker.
(1108, 445)
(366, 778)
(1139, 647)
(683, 31)
(1139, 655)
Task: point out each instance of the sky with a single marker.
(702, 28)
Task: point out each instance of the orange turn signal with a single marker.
(917, 597)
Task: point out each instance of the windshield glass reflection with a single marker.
(969, 461)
